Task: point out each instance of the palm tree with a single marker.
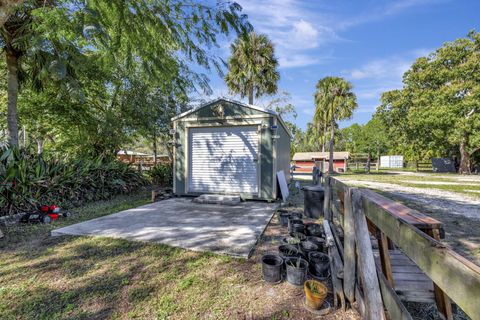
(252, 67)
(334, 101)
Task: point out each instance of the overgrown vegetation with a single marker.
(27, 180)
(162, 174)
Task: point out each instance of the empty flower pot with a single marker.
(291, 222)
(296, 215)
(296, 271)
(319, 263)
(314, 229)
(283, 216)
(272, 266)
(298, 228)
(320, 242)
(307, 246)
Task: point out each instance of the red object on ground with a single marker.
(54, 216)
(44, 208)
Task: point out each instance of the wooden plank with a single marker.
(406, 269)
(452, 273)
(408, 285)
(393, 304)
(385, 257)
(407, 214)
(337, 240)
(416, 296)
(349, 265)
(326, 200)
(368, 272)
(444, 305)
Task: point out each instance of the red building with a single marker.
(304, 161)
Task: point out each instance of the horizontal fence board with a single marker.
(455, 275)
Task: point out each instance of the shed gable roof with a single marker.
(251, 106)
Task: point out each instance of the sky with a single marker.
(369, 43)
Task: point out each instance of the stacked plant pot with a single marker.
(301, 258)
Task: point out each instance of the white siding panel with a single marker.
(223, 160)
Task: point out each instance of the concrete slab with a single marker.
(179, 222)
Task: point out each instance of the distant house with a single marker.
(304, 161)
(144, 159)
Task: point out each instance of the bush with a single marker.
(162, 174)
(27, 180)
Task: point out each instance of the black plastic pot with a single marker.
(319, 263)
(283, 217)
(296, 271)
(298, 235)
(296, 215)
(298, 228)
(272, 266)
(307, 246)
(294, 241)
(320, 242)
(287, 251)
(291, 222)
(314, 229)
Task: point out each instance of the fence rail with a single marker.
(359, 213)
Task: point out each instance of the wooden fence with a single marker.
(363, 274)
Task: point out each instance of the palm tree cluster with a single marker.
(334, 101)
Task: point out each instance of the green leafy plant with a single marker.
(162, 174)
(27, 180)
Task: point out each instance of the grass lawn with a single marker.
(100, 278)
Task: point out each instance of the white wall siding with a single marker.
(223, 160)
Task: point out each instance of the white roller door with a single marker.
(223, 160)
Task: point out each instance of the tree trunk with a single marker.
(154, 147)
(250, 96)
(324, 138)
(369, 160)
(332, 135)
(167, 147)
(464, 159)
(12, 121)
(40, 142)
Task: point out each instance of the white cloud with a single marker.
(393, 67)
(293, 28)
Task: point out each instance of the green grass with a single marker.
(98, 278)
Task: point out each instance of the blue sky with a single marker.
(370, 43)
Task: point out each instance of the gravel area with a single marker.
(435, 199)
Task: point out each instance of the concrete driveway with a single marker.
(179, 222)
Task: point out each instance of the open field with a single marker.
(100, 278)
(452, 199)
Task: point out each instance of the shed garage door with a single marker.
(223, 160)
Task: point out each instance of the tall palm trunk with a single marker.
(324, 142)
(250, 96)
(332, 135)
(12, 121)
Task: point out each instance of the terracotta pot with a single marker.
(315, 293)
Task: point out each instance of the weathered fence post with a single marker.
(326, 201)
(349, 259)
(367, 269)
